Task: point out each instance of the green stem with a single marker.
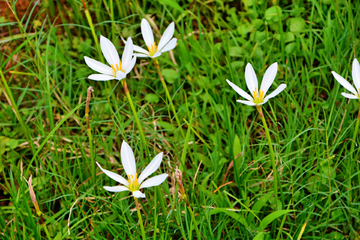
(272, 156)
(169, 97)
(17, 113)
(140, 219)
(351, 160)
(142, 136)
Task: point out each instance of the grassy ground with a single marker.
(220, 146)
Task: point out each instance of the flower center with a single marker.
(133, 183)
(118, 67)
(258, 96)
(152, 49)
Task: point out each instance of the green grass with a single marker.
(311, 124)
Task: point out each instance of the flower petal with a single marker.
(140, 50)
(240, 91)
(169, 46)
(141, 55)
(114, 176)
(120, 75)
(356, 74)
(100, 77)
(269, 77)
(344, 83)
(128, 159)
(168, 34)
(349, 96)
(153, 165)
(146, 32)
(251, 79)
(249, 103)
(108, 49)
(138, 194)
(127, 54)
(98, 66)
(276, 92)
(116, 189)
(131, 65)
(154, 181)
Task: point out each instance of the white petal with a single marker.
(120, 75)
(128, 159)
(349, 96)
(249, 103)
(138, 194)
(116, 189)
(108, 49)
(114, 176)
(356, 74)
(146, 32)
(169, 46)
(251, 80)
(131, 65)
(141, 55)
(240, 91)
(344, 83)
(123, 40)
(168, 34)
(98, 66)
(269, 77)
(127, 54)
(276, 92)
(137, 48)
(153, 165)
(154, 181)
(101, 77)
(140, 50)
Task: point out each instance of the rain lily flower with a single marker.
(347, 85)
(258, 95)
(118, 69)
(167, 42)
(134, 184)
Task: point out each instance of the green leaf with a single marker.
(297, 24)
(258, 205)
(236, 146)
(170, 75)
(152, 98)
(271, 14)
(271, 217)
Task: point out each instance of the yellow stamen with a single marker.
(118, 67)
(258, 96)
(133, 182)
(113, 68)
(152, 49)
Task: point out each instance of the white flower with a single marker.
(134, 184)
(118, 69)
(167, 42)
(347, 85)
(257, 97)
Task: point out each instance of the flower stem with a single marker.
(351, 160)
(272, 156)
(140, 219)
(168, 96)
(142, 136)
